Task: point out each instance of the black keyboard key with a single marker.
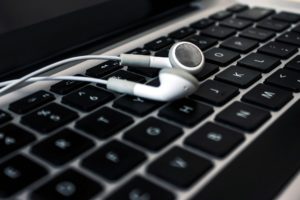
(139, 188)
(255, 14)
(220, 56)
(236, 23)
(31, 102)
(68, 185)
(140, 51)
(297, 29)
(113, 160)
(4, 117)
(203, 23)
(286, 79)
(273, 156)
(260, 62)
(87, 98)
(179, 167)
(153, 134)
(103, 69)
(207, 71)
(278, 49)
(239, 76)
(186, 112)
(136, 105)
(149, 72)
(261, 35)
(239, 44)
(67, 144)
(104, 123)
(65, 87)
(243, 116)
(49, 118)
(215, 139)
(121, 74)
(17, 173)
(162, 53)
(202, 42)
(218, 32)
(290, 38)
(182, 33)
(215, 92)
(221, 15)
(238, 8)
(287, 17)
(268, 97)
(13, 138)
(273, 25)
(294, 64)
(159, 43)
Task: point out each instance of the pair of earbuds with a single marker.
(176, 79)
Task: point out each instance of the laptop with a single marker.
(237, 137)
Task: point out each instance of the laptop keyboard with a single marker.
(110, 136)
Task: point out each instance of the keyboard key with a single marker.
(273, 156)
(121, 74)
(49, 118)
(287, 17)
(220, 56)
(186, 112)
(278, 49)
(68, 185)
(236, 23)
(260, 62)
(136, 105)
(268, 97)
(87, 98)
(297, 29)
(179, 167)
(243, 116)
(162, 53)
(13, 138)
(153, 134)
(207, 71)
(203, 23)
(104, 123)
(286, 79)
(103, 69)
(140, 51)
(4, 117)
(31, 102)
(239, 44)
(238, 8)
(139, 188)
(255, 14)
(290, 38)
(261, 35)
(239, 76)
(273, 25)
(65, 87)
(218, 32)
(215, 139)
(202, 42)
(215, 92)
(221, 15)
(67, 144)
(182, 33)
(159, 43)
(294, 64)
(113, 160)
(17, 173)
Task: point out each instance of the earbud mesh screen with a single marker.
(188, 55)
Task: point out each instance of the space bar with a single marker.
(265, 167)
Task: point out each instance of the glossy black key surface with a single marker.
(239, 76)
(278, 49)
(273, 25)
(236, 23)
(113, 160)
(259, 34)
(218, 32)
(4, 117)
(186, 112)
(239, 44)
(70, 184)
(31, 102)
(140, 51)
(243, 116)
(18, 173)
(159, 43)
(254, 167)
(260, 62)
(136, 105)
(255, 14)
(221, 15)
(179, 167)
(203, 23)
(268, 97)
(221, 56)
(294, 64)
(182, 33)
(287, 17)
(104, 123)
(87, 98)
(215, 139)
(207, 71)
(121, 74)
(238, 8)
(65, 87)
(103, 69)
(140, 188)
(202, 42)
(297, 29)
(286, 79)
(49, 118)
(163, 53)
(13, 138)
(215, 92)
(153, 134)
(67, 144)
(290, 38)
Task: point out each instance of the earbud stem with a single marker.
(144, 61)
